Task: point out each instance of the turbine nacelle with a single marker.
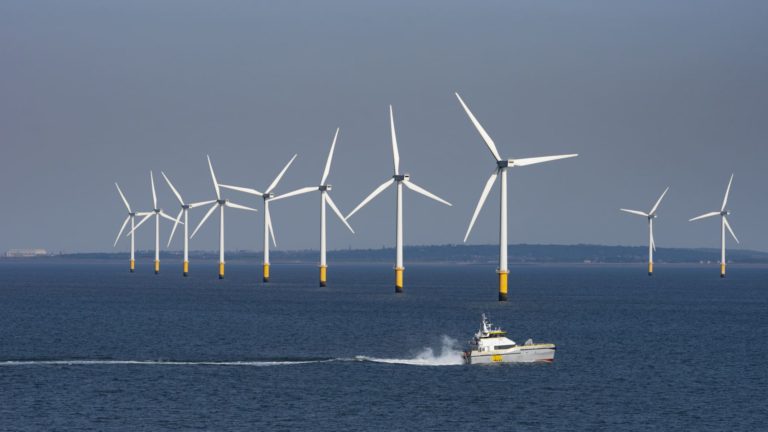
(401, 177)
(268, 195)
(221, 201)
(325, 188)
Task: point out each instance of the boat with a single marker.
(491, 345)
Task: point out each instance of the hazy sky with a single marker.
(649, 93)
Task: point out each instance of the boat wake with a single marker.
(448, 354)
(79, 362)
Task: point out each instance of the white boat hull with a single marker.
(519, 354)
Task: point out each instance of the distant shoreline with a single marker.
(522, 254)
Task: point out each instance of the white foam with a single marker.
(448, 354)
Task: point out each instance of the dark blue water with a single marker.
(92, 347)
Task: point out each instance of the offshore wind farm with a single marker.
(297, 142)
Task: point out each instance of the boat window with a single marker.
(503, 347)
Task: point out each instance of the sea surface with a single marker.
(89, 346)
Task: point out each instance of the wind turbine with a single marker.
(400, 180)
(267, 196)
(651, 215)
(157, 213)
(723, 213)
(132, 218)
(325, 198)
(500, 170)
(220, 203)
(183, 212)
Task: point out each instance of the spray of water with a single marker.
(448, 354)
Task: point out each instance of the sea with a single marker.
(88, 346)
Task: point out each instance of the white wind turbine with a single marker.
(220, 203)
(185, 213)
(651, 215)
(132, 218)
(501, 169)
(325, 198)
(157, 213)
(400, 180)
(723, 213)
(267, 196)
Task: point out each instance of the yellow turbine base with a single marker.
(722, 270)
(650, 269)
(157, 267)
(503, 277)
(221, 270)
(265, 277)
(323, 270)
(399, 279)
(133, 265)
(186, 268)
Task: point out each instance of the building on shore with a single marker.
(25, 253)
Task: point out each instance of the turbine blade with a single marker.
(330, 158)
(141, 222)
(213, 176)
(269, 224)
(639, 213)
(295, 192)
(730, 230)
(175, 192)
(373, 194)
(123, 197)
(175, 224)
(165, 215)
(279, 176)
(416, 188)
(479, 127)
(727, 191)
(537, 160)
(395, 152)
(205, 218)
(242, 189)
(201, 203)
(154, 195)
(336, 210)
(238, 206)
(705, 215)
(122, 228)
(656, 206)
(483, 196)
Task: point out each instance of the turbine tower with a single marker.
(185, 213)
(157, 213)
(399, 180)
(723, 213)
(220, 203)
(500, 170)
(132, 218)
(266, 196)
(651, 215)
(325, 198)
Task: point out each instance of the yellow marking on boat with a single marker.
(496, 358)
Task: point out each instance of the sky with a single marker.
(650, 94)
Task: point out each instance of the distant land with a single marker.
(468, 254)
